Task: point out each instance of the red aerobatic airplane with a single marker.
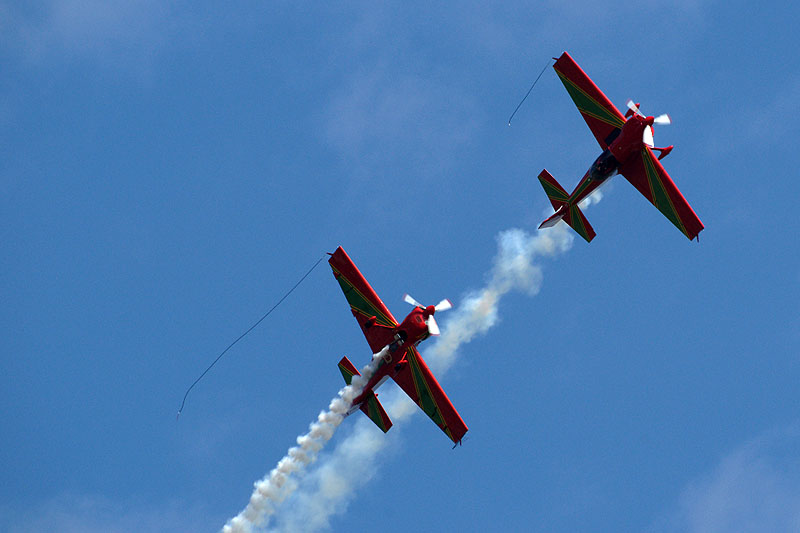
(627, 143)
(401, 360)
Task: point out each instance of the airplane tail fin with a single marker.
(370, 406)
(566, 211)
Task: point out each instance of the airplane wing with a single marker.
(418, 382)
(364, 302)
(602, 117)
(646, 173)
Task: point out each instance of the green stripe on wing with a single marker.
(588, 105)
(361, 304)
(660, 197)
(426, 401)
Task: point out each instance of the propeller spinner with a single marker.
(433, 327)
(661, 120)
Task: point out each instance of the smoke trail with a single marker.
(329, 488)
(514, 268)
(278, 484)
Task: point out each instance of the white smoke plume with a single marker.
(279, 483)
(329, 488)
(515, 268)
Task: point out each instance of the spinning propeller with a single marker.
(661, 120)
(444, 305)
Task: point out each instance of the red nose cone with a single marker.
(429, 310)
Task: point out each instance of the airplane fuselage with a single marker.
(625, 143)
(411, 331)
(629, 140)
(414, 328)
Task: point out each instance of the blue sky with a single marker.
(169, 171)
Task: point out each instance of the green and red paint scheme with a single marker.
(625, 151)
(396, 345)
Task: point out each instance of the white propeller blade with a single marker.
(662, 120)
(433, 327)
(632, 106)
(409, 300)
(444, 305)
(647, 138)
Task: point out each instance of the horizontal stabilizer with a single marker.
(577, 221)
(348, 370)
(555, 192)
(566, 211)
(370, 406)
(374, 410)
